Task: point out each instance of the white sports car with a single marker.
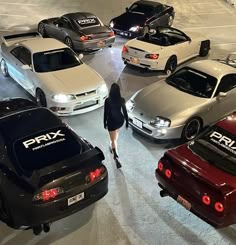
(164, 48)
(51, 72)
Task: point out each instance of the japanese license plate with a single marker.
(134, 60)
(184, 202)
(101, 44)
(75, 199)
(137, 123)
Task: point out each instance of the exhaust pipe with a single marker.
(164, 193)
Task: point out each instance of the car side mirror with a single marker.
(25, 67)
(127, 9)
(222, 94)
(81, 56)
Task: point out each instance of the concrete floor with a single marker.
(132, 212)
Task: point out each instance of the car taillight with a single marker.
(160, 166)
(47, 195)
(168, 173)
(111, 34)
(152, 56)
(206, 200)
(219, 207)
(95, 174)
(124, 49)
(83, 38)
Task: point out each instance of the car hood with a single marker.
(161, 99)
(74, 80)
(129, 19)
(148, 47)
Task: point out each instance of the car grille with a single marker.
(85, 94)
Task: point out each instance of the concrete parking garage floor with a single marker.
(132, 212)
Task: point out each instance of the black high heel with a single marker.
(118, 164)
(115, 154)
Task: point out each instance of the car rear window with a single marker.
(88, 22)
(45, 148)
(218, 147)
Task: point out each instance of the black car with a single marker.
(47, 171)
(142, 16)
(80, 31)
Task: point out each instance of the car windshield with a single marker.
(88, 22)
(141, 9)
(55, 60)
(218, 147)
(193, 82)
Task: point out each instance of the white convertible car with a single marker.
(164, 48)
(52, 73)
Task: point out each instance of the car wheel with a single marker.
(204, 49)
(4, 68)
(145, 30)
(3, 209)
(41, 30)
(37, 230)
(69, 42)
(41, 98)
(170, 20)
(171, 65)
(191, 129)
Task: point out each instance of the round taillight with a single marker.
(111, 34)
(206, 200)
(83, 38)
(124, 49)
(168, 173)
(154, 56)
(160, 166)
(219, 207)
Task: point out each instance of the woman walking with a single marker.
(115, 114)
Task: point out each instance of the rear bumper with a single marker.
(199, 209)
(34, 215)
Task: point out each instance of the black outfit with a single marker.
(115, 114)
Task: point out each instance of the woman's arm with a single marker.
(105, 113)
(125, 113)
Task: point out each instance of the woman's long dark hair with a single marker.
(114, 93)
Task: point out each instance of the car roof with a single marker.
(151, 3)
(228, 123)
(79, 15)
(42, 44)
(212, 67)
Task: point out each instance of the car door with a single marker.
(55, 30)
(224, 100)
(63, 27)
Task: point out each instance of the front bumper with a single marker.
(94, 44)
(175, 189)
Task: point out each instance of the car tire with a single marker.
(204, 48)
(171, 65)
(4, 68)
(37, 230)
(69, 42)
(41, 98)
(170, 20)
(191, 129)
(41, 30)
(3, 210)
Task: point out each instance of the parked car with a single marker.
(142, 16)
(80, 31)
(47, 171)
(164, 48)
(181, 105)
(201, 175)
(53, 73)
(229, 60)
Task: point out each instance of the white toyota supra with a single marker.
(53, 73)
(164, 48)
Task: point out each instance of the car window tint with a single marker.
(159, 9)
(55, 60)
(227, 83)
(218, 147)
(16, 52)
(88, 22)
(64, 23)
(23, 55)
(141, 8)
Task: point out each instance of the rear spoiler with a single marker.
(15, 38)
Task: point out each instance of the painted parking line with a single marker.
(222, 44)
(206, 13)
(209, 27)
(14, 15)
(22, 4)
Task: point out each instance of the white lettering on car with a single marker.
(87, 21)
(44, 137)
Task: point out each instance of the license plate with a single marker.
(137, 123)
(101, 44)
(134, 60)
(184, 202)
(75, 199)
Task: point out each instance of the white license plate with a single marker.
(101, 44)
(75, 199)
(137, 123)
(134, 60)
(184, 202)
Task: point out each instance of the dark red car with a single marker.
(201, 174)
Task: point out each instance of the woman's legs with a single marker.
(114, 137)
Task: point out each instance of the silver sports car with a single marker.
(185, 102)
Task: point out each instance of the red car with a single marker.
(201, 174)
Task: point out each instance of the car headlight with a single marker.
(102, 89)
(111, 24)
(63, 98)
(160, 122)
(130, 105)
(134, 28)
